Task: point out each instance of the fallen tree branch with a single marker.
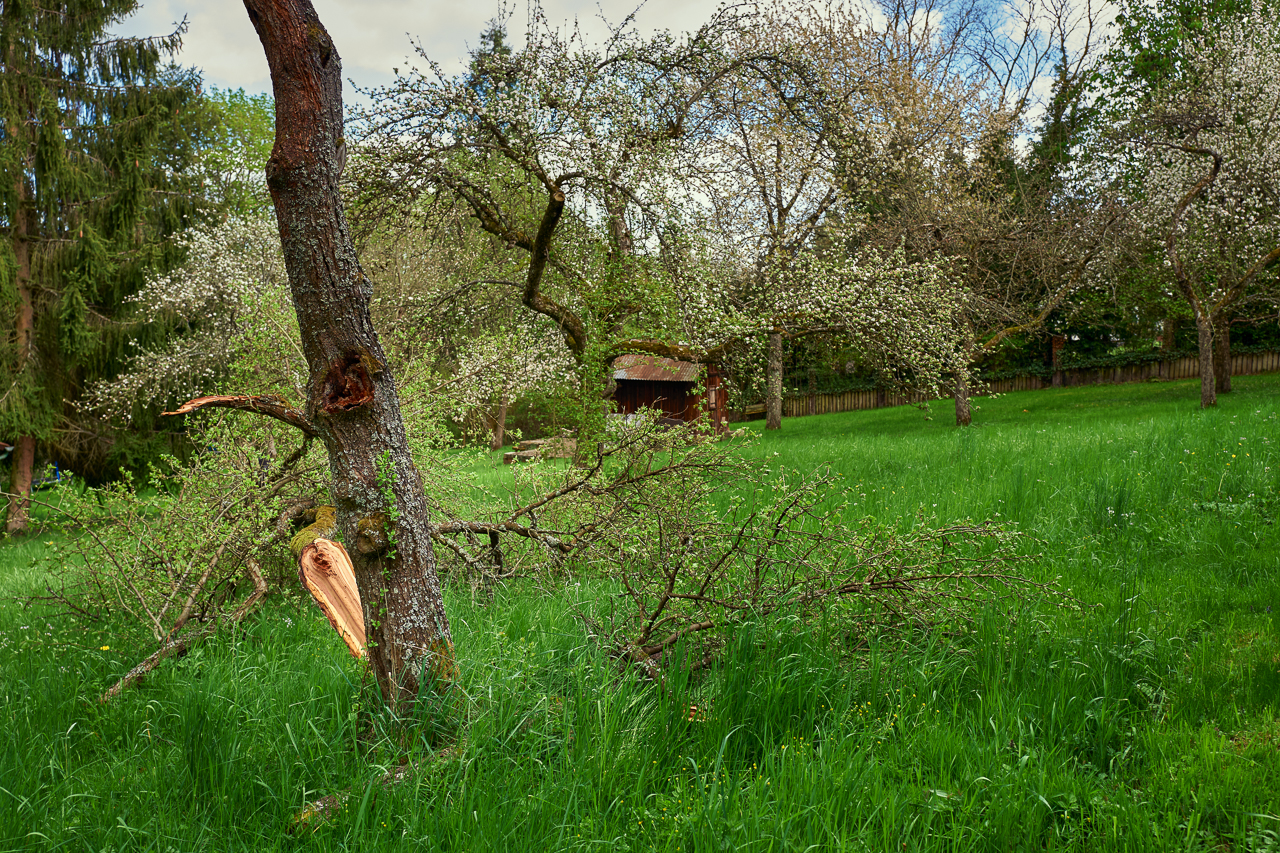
(176, 647)
(316, 812)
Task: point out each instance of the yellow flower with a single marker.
(104, 648)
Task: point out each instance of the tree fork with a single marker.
(352, 403)
(575, 335)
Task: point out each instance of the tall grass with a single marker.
(1145, 719)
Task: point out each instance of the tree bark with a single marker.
(499, 424)
(964, 412)
(22, 462)
(1168, 342)
(773, 383)
(1222, 355)
(619, 231)
(269, 405)
(1204, 324)
(571, 326)
(1204, 342)
(352, 405)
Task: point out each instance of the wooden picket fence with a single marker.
(1181, 368)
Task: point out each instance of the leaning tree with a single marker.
(352, 405)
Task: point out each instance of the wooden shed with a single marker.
(667, 385)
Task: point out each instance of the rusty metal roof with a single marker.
(654, 369)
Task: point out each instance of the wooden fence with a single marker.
(1180, 368)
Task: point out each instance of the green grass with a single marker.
(1149, 719)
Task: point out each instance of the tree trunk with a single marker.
(1222, 355)
(964, 413)
(352, 405)
(1168, 342)
(499, 424)
(1057, 343)
(1204, 341)
(22, 462)
(773, 383)
(619, 231)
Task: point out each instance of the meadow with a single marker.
(1143, 717)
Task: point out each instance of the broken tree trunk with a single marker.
(352, 404)
(325, 570)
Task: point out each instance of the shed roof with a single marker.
(654, 369)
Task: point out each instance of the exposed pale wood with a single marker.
(269, 405)
(325, 570)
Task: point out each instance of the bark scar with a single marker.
(348, 384)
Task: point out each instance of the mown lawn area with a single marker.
(1143, 718)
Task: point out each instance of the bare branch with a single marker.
(270, 405)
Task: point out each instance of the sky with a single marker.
(373, 36)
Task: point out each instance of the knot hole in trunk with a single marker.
(347, 385)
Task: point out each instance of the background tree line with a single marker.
(914, 191)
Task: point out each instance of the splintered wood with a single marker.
(325, 570)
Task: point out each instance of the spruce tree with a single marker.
(96, 134)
